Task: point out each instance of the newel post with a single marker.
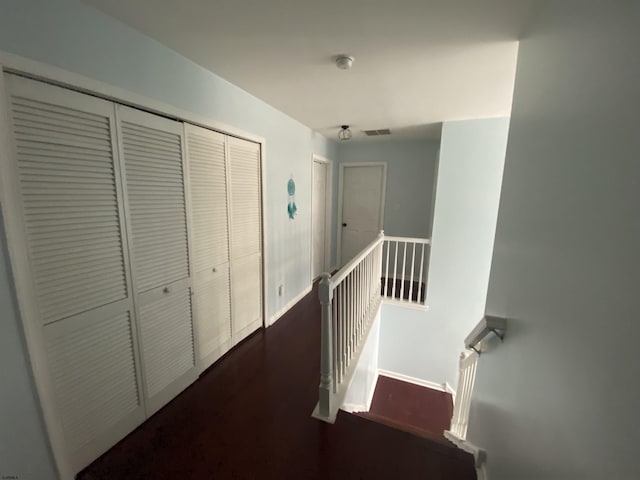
(325, 292)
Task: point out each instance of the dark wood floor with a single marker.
(413, 408)
(248, 417)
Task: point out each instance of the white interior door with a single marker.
(81, 303)
(363, 189)
(319, 217)
(206, 159)
(152, 150)
(246, 236)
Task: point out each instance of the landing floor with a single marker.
(249, 417)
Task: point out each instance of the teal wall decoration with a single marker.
(291, 207)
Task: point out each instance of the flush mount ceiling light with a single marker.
(344, 133)
(344, 62)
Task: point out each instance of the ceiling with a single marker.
(417, 62)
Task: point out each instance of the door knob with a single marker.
(344, 224)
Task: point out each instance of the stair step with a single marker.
(420, 432)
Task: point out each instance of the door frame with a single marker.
(341, 197)
(327, 213)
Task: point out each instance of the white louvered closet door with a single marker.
(152, 152)
(246, 236)
(70, 195)
(206, 164)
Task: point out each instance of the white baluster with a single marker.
(326, 380)
(386, 271)
(395, 271)
(421, 286)
(336, 332)
(404, 264)
(413, 264)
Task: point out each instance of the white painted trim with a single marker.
(416, 381)
(263, 234)
(353, 408)
(479, 455)
(449, 389)
(276, 316)
(341, 197)
(373, 390)
(327, 214)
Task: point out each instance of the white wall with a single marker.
(24, 450)
(410, 173)
(559, 398)
(426, 345)
(79, 39)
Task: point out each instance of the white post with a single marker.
(325, 292)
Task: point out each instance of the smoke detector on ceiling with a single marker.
(344, 62)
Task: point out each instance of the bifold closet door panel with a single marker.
(247, 296)
(212, 305)
(152, 154)
(92, 360)
(168, 356)
(206, 164)
(71, 231)
(246, 236)
(246, 197)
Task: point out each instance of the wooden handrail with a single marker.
(350, 301)
(341, 274)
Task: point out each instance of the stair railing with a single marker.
(404, 273)
(462, 404)
(350, 301)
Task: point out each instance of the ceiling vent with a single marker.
(376, 133)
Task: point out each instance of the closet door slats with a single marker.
(69, 194)
(141, 239)
(207, 169)
(246, 221)
(155, 192)
(152, 150)
(95, 376)
(206, 159)
(213, 310)
(246, 236)
(55, 206)
(167, 347)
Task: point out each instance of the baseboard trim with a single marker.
(372, 392)
(275, 317)
(354, 408)
(479, 455)
(449, 389)
(404, 303)
(416, 381)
